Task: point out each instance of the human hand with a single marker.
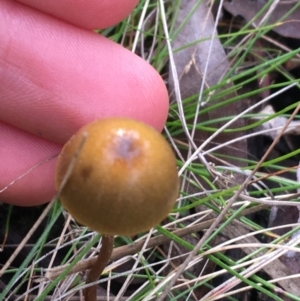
(57, 75)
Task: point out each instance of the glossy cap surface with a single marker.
(124, 180)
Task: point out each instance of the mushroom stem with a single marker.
(98, 267)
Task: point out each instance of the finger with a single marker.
(27, 167)
(43, 101)
(87, 14)
(57, 77)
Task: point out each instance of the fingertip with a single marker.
(82, 77)
(157, 95)
(90, 14)
(27, 167)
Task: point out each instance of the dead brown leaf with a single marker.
(288, 27)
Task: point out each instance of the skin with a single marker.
(56, 76)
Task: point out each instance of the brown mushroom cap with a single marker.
(124, 180)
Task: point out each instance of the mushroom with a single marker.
(124, 182)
